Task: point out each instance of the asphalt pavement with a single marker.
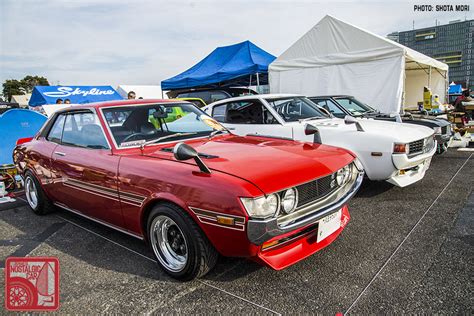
(405, 250)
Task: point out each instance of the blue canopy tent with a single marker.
(455, 89)
(243, 64)
(77, 94)
(16, 124)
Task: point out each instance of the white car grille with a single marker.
(420, 146)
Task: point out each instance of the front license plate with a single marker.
(329, 225)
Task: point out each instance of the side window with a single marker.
(56, 130)
(248, 112)
(219, 112)
(83, 130)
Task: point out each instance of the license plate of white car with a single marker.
(329, 225)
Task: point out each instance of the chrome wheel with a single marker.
(31, 193)
(168, 243)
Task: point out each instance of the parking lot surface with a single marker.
(405, 250)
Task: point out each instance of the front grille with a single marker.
(444, 130)
(420, 146)
(314, 190)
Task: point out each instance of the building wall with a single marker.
(451, 43)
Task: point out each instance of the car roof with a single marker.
(331, 96)
(98, 105)
(257, 96)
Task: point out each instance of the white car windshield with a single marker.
(154, 123)
(354, 106)
(293, 109)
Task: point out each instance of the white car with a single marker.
(397, 153)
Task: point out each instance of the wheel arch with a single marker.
(157, 200)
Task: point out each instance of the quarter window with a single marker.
(56, 130)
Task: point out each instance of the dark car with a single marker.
(210, 95)
(342, 105)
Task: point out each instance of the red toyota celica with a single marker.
(187, 186)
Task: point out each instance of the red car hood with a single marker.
(270, 164)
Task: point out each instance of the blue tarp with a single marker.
(16, 124)
(77, 94)
(226, 63)
(455, 89)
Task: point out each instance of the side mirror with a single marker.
(313, 130)
(183, 152)
(397, 117)
(352, 120)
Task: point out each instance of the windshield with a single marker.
(354, 106)
(133, 126)
(293, 109)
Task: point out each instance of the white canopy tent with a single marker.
(335, 57)
(145, 92)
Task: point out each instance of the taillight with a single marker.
(23, 140)
(399, 148)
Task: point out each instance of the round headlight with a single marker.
(289, 200)
(261, 207)
(343, 175)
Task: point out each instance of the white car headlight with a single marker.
(289, 200)
(437, 130)
(262, 207)
(343, 175)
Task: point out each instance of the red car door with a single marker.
(86, 170)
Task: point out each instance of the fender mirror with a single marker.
(397, 117)
(183, 152)
(352, 120)
(313, 130)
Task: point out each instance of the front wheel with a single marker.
(178, 244)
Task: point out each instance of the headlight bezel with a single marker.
(295, 200)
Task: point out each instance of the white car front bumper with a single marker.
(410, 170)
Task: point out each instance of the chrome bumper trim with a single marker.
(259, 231)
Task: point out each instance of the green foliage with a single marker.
(19, 87)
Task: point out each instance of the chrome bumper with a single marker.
(259, 231)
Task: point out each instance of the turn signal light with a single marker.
(400, 148)
(225, 220)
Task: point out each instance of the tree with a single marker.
(14, 87)
(29, 82)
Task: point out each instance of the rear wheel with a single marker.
(35, 196)
(179, 245)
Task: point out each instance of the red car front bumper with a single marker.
(280, 257)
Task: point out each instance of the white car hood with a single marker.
(400, 132)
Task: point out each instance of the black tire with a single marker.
(43, 205)
(201, 254)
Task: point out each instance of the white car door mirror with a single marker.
(352, 120)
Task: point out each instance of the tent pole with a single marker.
(429, 78)
(258, 82)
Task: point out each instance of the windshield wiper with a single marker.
(311, 118)
(217, 131)
(156, 140)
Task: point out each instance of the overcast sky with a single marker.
(143, 42)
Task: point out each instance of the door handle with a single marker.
(231, 128)
(59, 153)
